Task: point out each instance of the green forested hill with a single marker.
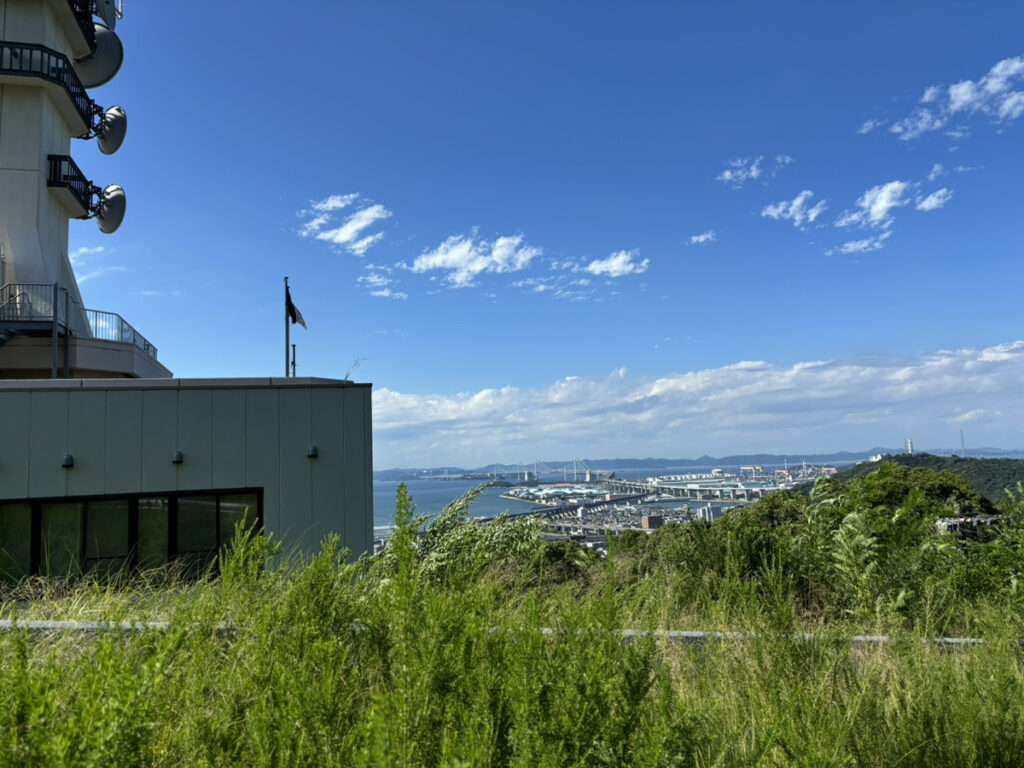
(989, 477)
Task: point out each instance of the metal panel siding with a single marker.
(329, 512)
(159, 439)
(123, 472)
(195, 439)
(87, 419)
(228, 446)
(261, 453)
(296, 472)
(14, 455)
(48, 443)
(358, 503)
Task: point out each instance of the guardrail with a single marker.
(33, 303)
(83, 11)
(64, 172)
(33, 60)
(110, 326)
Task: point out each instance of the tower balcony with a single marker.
(70, 186)
(46, 333)
(75, 18)
(19, 61)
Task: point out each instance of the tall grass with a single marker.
(478, 646)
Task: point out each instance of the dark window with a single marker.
(105, 536)
(153, 531)
(15, 541)
(61, 546)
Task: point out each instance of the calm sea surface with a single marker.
(430, 495)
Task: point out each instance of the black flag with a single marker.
(291, 310)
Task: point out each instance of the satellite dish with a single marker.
(102, 64)
(107, 11)
(110, 134)
(110, 209)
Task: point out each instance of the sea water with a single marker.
(430, 497)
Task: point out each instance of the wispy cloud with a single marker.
(379, 279)
(869, 125)
(703, 238)
(741, 170)
(796, 210)
(861, 246)
(465, 257)
(84, 263)
(619, 264)
(936, 172)
(351, 233)
(994, 95)
(935, 200)
(744, 407)
(874, 207)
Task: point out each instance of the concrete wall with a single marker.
(233, 433)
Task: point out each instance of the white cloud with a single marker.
(746, 407)
(861, 246)
(350, 234)
(917, 124)
(387, 293)
(335, 202)
(869, 125)
(465, 257)
(703, 238)
(937, 170)
(935, 200)
(740, 170)
(994, 94)
(796, 210)
(619, 264)
(781, 161)
(874, 206)
(80, 256)
(360, 247)
(83, 263)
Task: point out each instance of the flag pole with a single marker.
(287, 328)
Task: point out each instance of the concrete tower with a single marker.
(51, 53)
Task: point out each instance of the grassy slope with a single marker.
(434, 655)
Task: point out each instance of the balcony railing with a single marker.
(22, 303)
(109, 326)
(31, 60)
(66, 174)
(83, 10)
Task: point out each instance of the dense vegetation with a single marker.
(989, 477)
(436, 653)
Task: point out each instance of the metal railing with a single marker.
(33, 303)
(110, 326)
(83, 11)
(32, 60)
(65, 173)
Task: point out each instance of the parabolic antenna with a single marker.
(107, 11)
(110, 210)
(110, 134)
(102, 64)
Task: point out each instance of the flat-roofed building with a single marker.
(99, 475)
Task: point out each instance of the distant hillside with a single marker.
(989, 477)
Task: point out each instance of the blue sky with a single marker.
(558, 229)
